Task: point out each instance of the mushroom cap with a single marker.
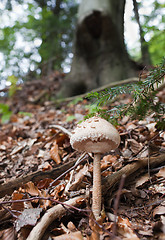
(95, 135)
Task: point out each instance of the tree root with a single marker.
(51, 215)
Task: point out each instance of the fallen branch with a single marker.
(110, 182)
(9, 187)
(51, 215)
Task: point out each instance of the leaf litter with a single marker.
(29, 143)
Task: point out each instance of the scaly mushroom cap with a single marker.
(95, 135)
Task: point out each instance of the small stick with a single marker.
(52, 214)
(116, 203)
(80, 160)
(66, 131)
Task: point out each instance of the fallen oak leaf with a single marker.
(54, 153)
(32, 189)
(18, 206)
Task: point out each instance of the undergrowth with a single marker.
(144, 99)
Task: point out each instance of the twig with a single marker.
(52, 214)
(7, 209)
(116, 203)
(62, 129)
(80, 160)
(72, 172)
(46, 199)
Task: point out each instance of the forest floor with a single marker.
(46, 192)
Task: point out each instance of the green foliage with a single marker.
(70, 118)
(153, 25)
(157, 46)
(28, 114)
(75, 101)
(5, 113)
(143, 94)
(13, 87)
(45, 34)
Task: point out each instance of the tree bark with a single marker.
(100, 55)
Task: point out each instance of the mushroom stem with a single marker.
(96, 205)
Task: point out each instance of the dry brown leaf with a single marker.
(71, 226)
(72, 236)
(62, 138)
(124, 228)
(18, 148)
(160, 210)
(161, 172)
(54, 153)
(18, 206)
(46, 167)
(31, 189)
(42, 184)
(78, 179)
(142, 180)
(44, 203)
(58, 191)
(107, 161)
(134, 145)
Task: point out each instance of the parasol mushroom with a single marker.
(95, 135)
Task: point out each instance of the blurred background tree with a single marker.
(36, 37)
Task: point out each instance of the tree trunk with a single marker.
(100, 56)
(144, 47)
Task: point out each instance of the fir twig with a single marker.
(144, 101)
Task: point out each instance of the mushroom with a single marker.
(95, 135)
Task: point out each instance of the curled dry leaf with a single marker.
(142, 180)
(72, 236)
(134, 145)
(160, 210)
(71, 226)
(54, 153)
(62, 138)
(77, 183)
(161, 172)
(107, 161)
(58, 191)
(46, 167)
(42, 184)
(31, 189)
(125, 229)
